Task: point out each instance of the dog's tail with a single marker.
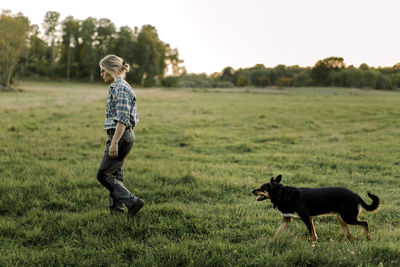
(373, 206)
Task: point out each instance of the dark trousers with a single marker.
(111, 175)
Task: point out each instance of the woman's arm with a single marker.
(119, 131)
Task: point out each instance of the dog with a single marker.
(305, 203)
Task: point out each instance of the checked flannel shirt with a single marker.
(121, 105)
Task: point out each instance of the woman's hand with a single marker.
(113, 152)
(119, 131)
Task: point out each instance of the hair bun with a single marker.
(125, 66)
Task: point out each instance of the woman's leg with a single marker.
(117, 206)
(109, 167)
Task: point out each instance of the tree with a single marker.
(173, 60)
(302, 78)
(89, 55)
(355, 78)
(125, 44)
(364, 67)
(280, 71)
(39, 55)
(50, 26)
(370, 78)
(150, 55)
(320, 71)
(227, 74)
(342, 78)
(74, 49)
(260, 77)
(70, 41)
(396, 68)
(258, 67)
(105, 37)
(383, 82)
(13, 42)
(396, 81)
(333, 78)
(385, 70)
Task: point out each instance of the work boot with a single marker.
(132, 211)
(114, 211)
(116, 206)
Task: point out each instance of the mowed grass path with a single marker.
(198, 155)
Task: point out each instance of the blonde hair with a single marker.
(114, 65)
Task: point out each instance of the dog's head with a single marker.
(264, 192)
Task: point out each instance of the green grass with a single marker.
(197, 156)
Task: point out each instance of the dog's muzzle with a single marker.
(261, 195)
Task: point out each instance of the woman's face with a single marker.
(107, 77)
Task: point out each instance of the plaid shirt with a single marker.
(121, 105)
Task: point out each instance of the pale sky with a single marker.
(213, 34)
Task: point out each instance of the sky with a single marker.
(213, 34)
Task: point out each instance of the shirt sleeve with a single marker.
(123, 106)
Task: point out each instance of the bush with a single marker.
(263, 82)
(242, 82)
(149, 82)
(170, 81)
(260, 78)
(223, 84)
(302, 78)
(195, 81)
(284, 82)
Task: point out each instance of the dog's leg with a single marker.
(284, 225)
(314, 236)
(345, 227)
(364, 224)
(353, 219)
(308, 220)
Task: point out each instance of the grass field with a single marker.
(197, 156)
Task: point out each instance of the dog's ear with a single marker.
(278, 178)
(272, 183)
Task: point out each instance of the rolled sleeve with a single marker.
(122, 107)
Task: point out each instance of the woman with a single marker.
(121, 117)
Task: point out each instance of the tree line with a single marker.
(71, 49)
(331, 71)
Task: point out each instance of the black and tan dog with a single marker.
(304, 203)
